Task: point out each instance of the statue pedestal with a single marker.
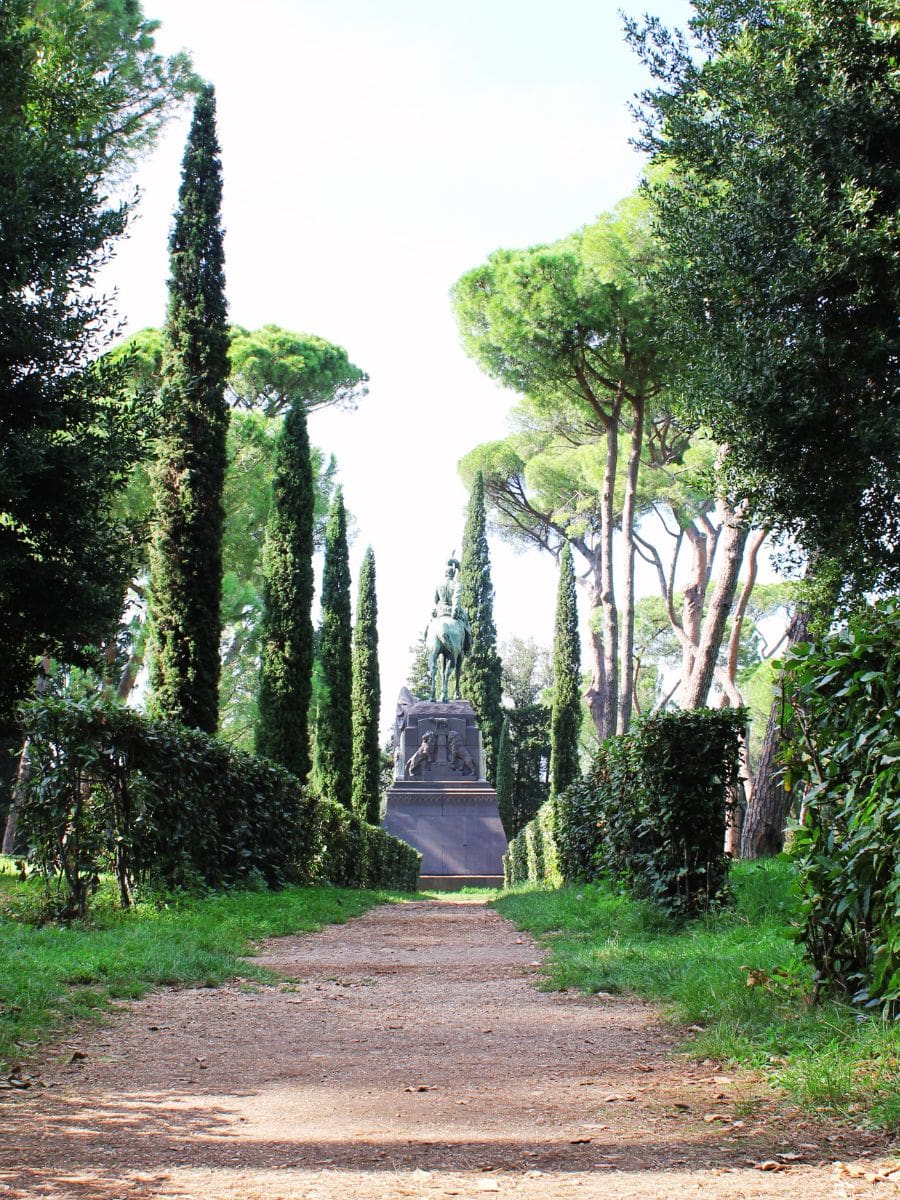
(442, 808)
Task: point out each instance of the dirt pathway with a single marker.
(407, 1053)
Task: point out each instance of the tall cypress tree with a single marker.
(186, 556)
(565, 713)
(285, 681)
(505, 782)
(481, 683)
(366, 698)
(334, 726)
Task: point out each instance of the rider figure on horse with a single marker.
(448, 596)
(449, 635)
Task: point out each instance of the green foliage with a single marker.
(81, 91)
(504, 781)
(664, 793)
(51, 973)
(481, 676)
(567, 830)
(777, 216)
(186, 557)
(154, 802)
(601, 940)
(366, 698)
(285, 679)
(846, 756)
(529, 734)
(334, 720)
(565, 711)
(651, 812)
(274, 369)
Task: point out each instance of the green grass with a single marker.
(829, 1057)
(52, 974)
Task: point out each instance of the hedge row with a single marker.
(651, 812)
(845, 705)
(109, 790)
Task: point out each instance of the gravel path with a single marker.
(407, 1053)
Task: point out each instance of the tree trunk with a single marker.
(692, 605)
(610, 614)
(734, 530)
(24, 771)
(769, 805)
(596, 693)
(628, 509)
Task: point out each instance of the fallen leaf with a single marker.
(421, 1087)
(422, 1176)
(580, 1141)
(615, 1098)
(708, 1117)
(769, 1165)
(488, 1185)
(78, 1055)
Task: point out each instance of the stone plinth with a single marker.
(455, 826)
(440, 802)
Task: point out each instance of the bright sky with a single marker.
(373, 151)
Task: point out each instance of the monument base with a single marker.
(454, 825)
(456, 883)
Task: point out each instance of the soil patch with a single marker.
(409, 1053)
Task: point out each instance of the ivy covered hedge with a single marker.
(110, 790)
(651, 812)
(845, 697)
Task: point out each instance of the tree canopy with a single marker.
(82, 91)
(777, 217)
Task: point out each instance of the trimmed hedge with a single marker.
(651, 812)
(110, 790)
(845, 702)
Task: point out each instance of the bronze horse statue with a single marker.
(447, 642)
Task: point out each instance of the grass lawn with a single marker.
(739, 978)
(50, 974)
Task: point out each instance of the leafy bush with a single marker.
(664, 792)
(154, 802)
(651, 812)
(846, 706)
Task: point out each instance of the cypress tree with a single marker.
(565, 713)
(186, 556)
(285, 682)
(334, 736)
(505, 782)
(366, 698)
(481, 681)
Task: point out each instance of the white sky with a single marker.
(373, 151)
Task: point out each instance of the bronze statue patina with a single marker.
(448, 638)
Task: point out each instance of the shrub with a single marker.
(845, 704)
(664, 791)
(155, 802)
(651, 813)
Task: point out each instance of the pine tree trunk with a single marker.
(692, 605)
(628, 509)
(735, 530)
(770, 804)
(610, 616)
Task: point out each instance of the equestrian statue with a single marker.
(448, 638)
